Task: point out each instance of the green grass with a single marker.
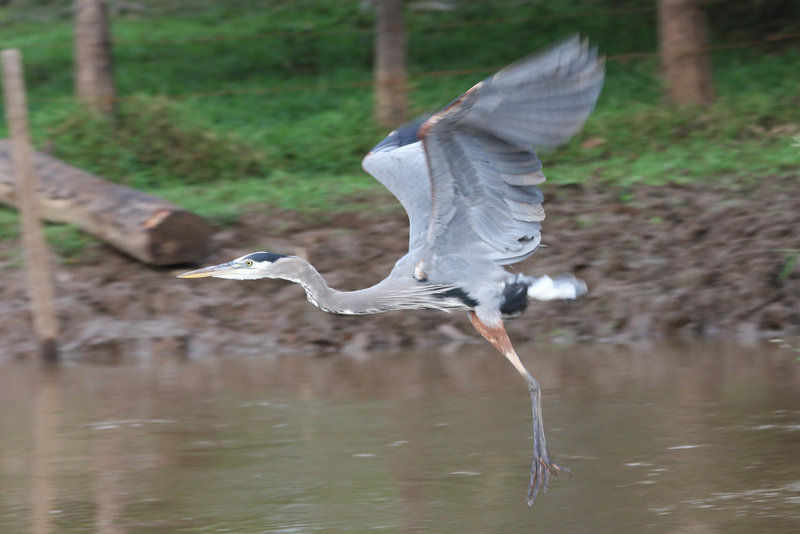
(267, 142)
(67, 241)
(151, 141)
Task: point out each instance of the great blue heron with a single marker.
(467, 178)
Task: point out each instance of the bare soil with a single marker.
(660, 262)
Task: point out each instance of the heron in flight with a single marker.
(467, 177)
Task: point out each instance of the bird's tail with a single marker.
(521, 287)
(564, 287)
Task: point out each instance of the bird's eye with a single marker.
(249, 263)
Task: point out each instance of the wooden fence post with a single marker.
(37, 262)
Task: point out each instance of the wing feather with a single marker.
(483, 168)
(467, 176)
(403, 170)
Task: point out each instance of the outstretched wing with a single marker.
(399, 163)
(479, 149)
(467, 176)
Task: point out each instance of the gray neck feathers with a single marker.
(393, 293)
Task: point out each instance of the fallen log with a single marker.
(150, 229)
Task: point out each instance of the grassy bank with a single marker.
(228, 104)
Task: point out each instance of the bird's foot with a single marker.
(541, 470)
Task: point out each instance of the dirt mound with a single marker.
(667, 261)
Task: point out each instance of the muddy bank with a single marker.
(672, 261)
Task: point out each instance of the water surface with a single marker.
(700, 439)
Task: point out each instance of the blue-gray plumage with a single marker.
(468, 179)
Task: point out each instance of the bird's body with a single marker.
(467, 178)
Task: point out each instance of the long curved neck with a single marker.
(317, 290)
(389, 294)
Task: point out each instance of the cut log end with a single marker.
(177, 237)
(147, 228)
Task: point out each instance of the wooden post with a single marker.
(37, 262)
(94, 80)
(391, 99)
(683, 47)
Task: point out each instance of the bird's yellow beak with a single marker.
(205, 272)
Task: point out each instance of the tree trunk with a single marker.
(390, 63)
(685, 60)
(148, 228)
(94, 81)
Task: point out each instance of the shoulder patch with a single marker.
(459, 294)
(402, 136)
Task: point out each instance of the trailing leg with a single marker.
(542, 466)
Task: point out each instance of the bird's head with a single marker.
(249, 267)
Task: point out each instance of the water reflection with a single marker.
(666, 439)
(44, 449)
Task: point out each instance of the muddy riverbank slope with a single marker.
(660, 262)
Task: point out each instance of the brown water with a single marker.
(698, 439)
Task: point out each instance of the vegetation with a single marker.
(229, 104)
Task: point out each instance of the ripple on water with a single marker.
(761, 501)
